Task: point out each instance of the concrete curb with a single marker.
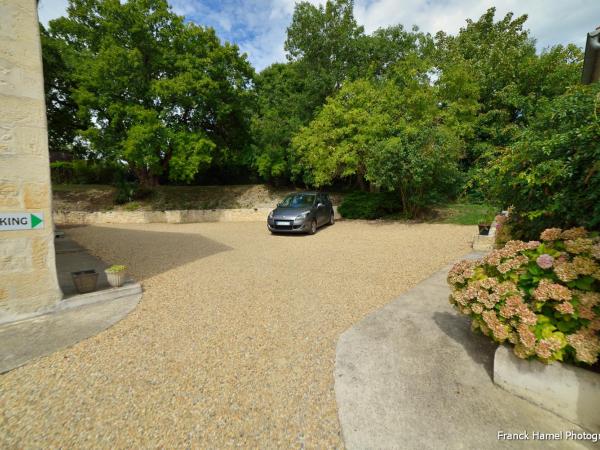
(72, 321)
(129, 289)
(567, 391)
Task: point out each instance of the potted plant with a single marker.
(116, 275)
(85, 280)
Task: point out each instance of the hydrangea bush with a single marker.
(541, 296)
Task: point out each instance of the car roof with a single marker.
(308, 192)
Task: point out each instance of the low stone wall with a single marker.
(567, 391)
(174, 216)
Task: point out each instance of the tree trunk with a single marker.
(363, 184)
(145, 178)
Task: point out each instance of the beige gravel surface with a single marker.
(233, 343)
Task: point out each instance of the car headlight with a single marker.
(271, 215)
(303, 215)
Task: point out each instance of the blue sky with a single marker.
(259, 26)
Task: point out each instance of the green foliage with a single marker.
(338, 141)
(281, 111)
(116, 268)
(391, 133)
(165, 96)
(507, 83)
(326, 49)
(323, 41)
(86, 172)
(61, 108)
(420, 165)
(551, 175)
(369, 205)
(125, 191)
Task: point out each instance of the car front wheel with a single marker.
(313, 227)
(332, 218)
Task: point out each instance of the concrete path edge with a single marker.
(413, 375)
(568, 391)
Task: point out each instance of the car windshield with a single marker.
(298, 201)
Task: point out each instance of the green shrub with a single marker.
(542, 297)
(369, 205)
(86, 172)
(551, 175)
(125, 192)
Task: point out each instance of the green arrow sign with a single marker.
(21, 221)
(35, 221)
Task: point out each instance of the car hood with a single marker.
(288, 213)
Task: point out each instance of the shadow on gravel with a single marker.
(479, 348)
(149, 253)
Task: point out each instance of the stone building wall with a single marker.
(28, 281)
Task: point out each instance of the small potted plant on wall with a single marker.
(484, 227)
(116, 275)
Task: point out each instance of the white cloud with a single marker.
(259, 26)
(551, 21)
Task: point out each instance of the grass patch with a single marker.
(132, 206)
(467, 213)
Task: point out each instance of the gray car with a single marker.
(301, 212)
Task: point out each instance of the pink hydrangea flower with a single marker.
(574, 233)
(565, 308)
(586, 344)
(551, 234)
(545, 261)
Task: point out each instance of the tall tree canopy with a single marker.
(323, 41)
(392, 133)
(326, 50)
(163, 95)
(511, 78)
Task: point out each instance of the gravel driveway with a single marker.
(233, 343)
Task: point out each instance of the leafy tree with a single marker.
(383, 49)
(326, 49)
(336, 143)
(510, 80)
(420, 164)
(61, 108)
(323, 41)
(551, 174)
(494, 52)
(390, 133)
(280, 93)
(162, 95)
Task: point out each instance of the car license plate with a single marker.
(280, 222)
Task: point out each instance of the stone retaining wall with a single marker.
(175, 216)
